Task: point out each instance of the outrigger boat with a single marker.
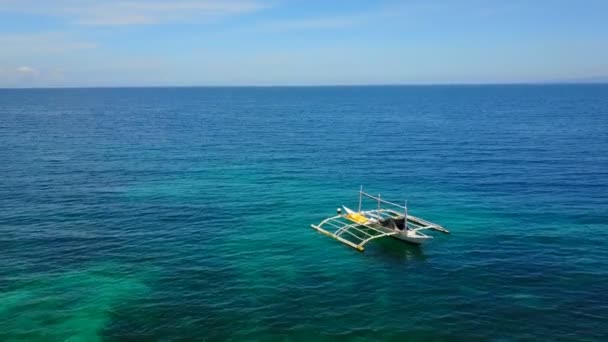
(356, 228)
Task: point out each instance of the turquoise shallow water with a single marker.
(184, 213)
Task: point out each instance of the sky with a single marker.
(89, 43)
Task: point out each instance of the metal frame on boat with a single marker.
(356, 228)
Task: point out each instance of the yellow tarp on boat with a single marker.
(356, 217)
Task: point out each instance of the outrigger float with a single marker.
(356, 228)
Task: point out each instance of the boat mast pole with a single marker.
(360, 197)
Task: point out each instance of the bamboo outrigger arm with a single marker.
(361, 233)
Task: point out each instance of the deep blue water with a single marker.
(184, 213)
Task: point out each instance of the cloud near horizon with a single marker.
(27, 70)
(28, 76)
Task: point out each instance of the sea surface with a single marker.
(184, 213)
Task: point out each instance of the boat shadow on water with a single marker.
(395, 250)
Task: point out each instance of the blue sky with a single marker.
(281, 42)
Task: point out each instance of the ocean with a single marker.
(184, 213)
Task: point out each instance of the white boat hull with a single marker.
(412, 237)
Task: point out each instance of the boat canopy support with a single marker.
(399, 210)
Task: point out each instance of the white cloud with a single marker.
(134, 12)
(28, 76)
(27, 71)
(342, 20)
(32, 59)
(411, 12)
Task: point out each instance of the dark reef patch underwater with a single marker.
(184, 213)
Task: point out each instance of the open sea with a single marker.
(184, 213)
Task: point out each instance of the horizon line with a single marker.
(439, 84)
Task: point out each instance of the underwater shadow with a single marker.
(395, 250)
